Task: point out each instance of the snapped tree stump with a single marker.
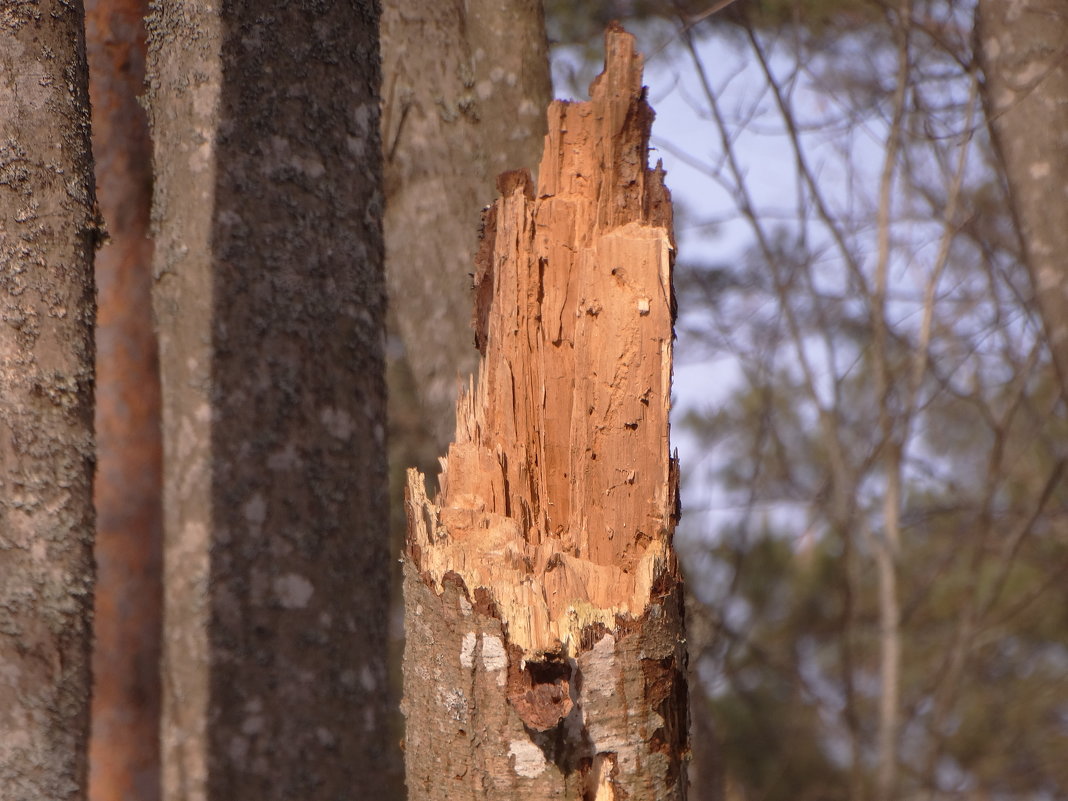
(543, 604)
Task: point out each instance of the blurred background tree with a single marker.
(875, 528)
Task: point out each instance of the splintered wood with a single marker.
(544, 655)
(544, 650)
(558, 497)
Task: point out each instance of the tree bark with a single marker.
(270, 300)
(465, 86)
(1021, 49)
(124, 747)
(545, 654)
(48, 232)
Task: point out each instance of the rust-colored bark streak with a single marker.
(558, 494)
(124, 748)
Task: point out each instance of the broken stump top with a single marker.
(558, 496)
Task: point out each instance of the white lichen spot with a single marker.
(293, 591)
(467, 650)
(366, 117)
(484, 89)
(202, 413)
(643, 306)
(1049, 279)
(356, 146)
(367, 678)
(465, 606)
(255, 509)
(200, 158)
(253, 724)
(529, 760)
(456, 702)
(310, 166)
(1031, 73)
(494, 657)
(338, 422)
(599, 668)
(285, 458)
(325, 737)
(238, 749)
(205, 97)
(1040, 169)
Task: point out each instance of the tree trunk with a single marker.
(124, 748)
(270, 300)
(465, 86)
(48, 231)
(1021, 49)
(544, 654)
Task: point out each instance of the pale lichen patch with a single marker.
(255, 510)
(599, 671)
(467, 650)
(338, 422)
(494, 656)
(529, 760)
(1040, 169)
(367, 678)
(293, 591)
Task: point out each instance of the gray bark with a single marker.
(270, 301)
(465, 87)
(1021, 47)
(48, 231)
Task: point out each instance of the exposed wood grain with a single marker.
(558, 496)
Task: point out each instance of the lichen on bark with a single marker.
(48, 231)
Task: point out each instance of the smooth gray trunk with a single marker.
(1021, 47)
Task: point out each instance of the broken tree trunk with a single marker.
(543, 604)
